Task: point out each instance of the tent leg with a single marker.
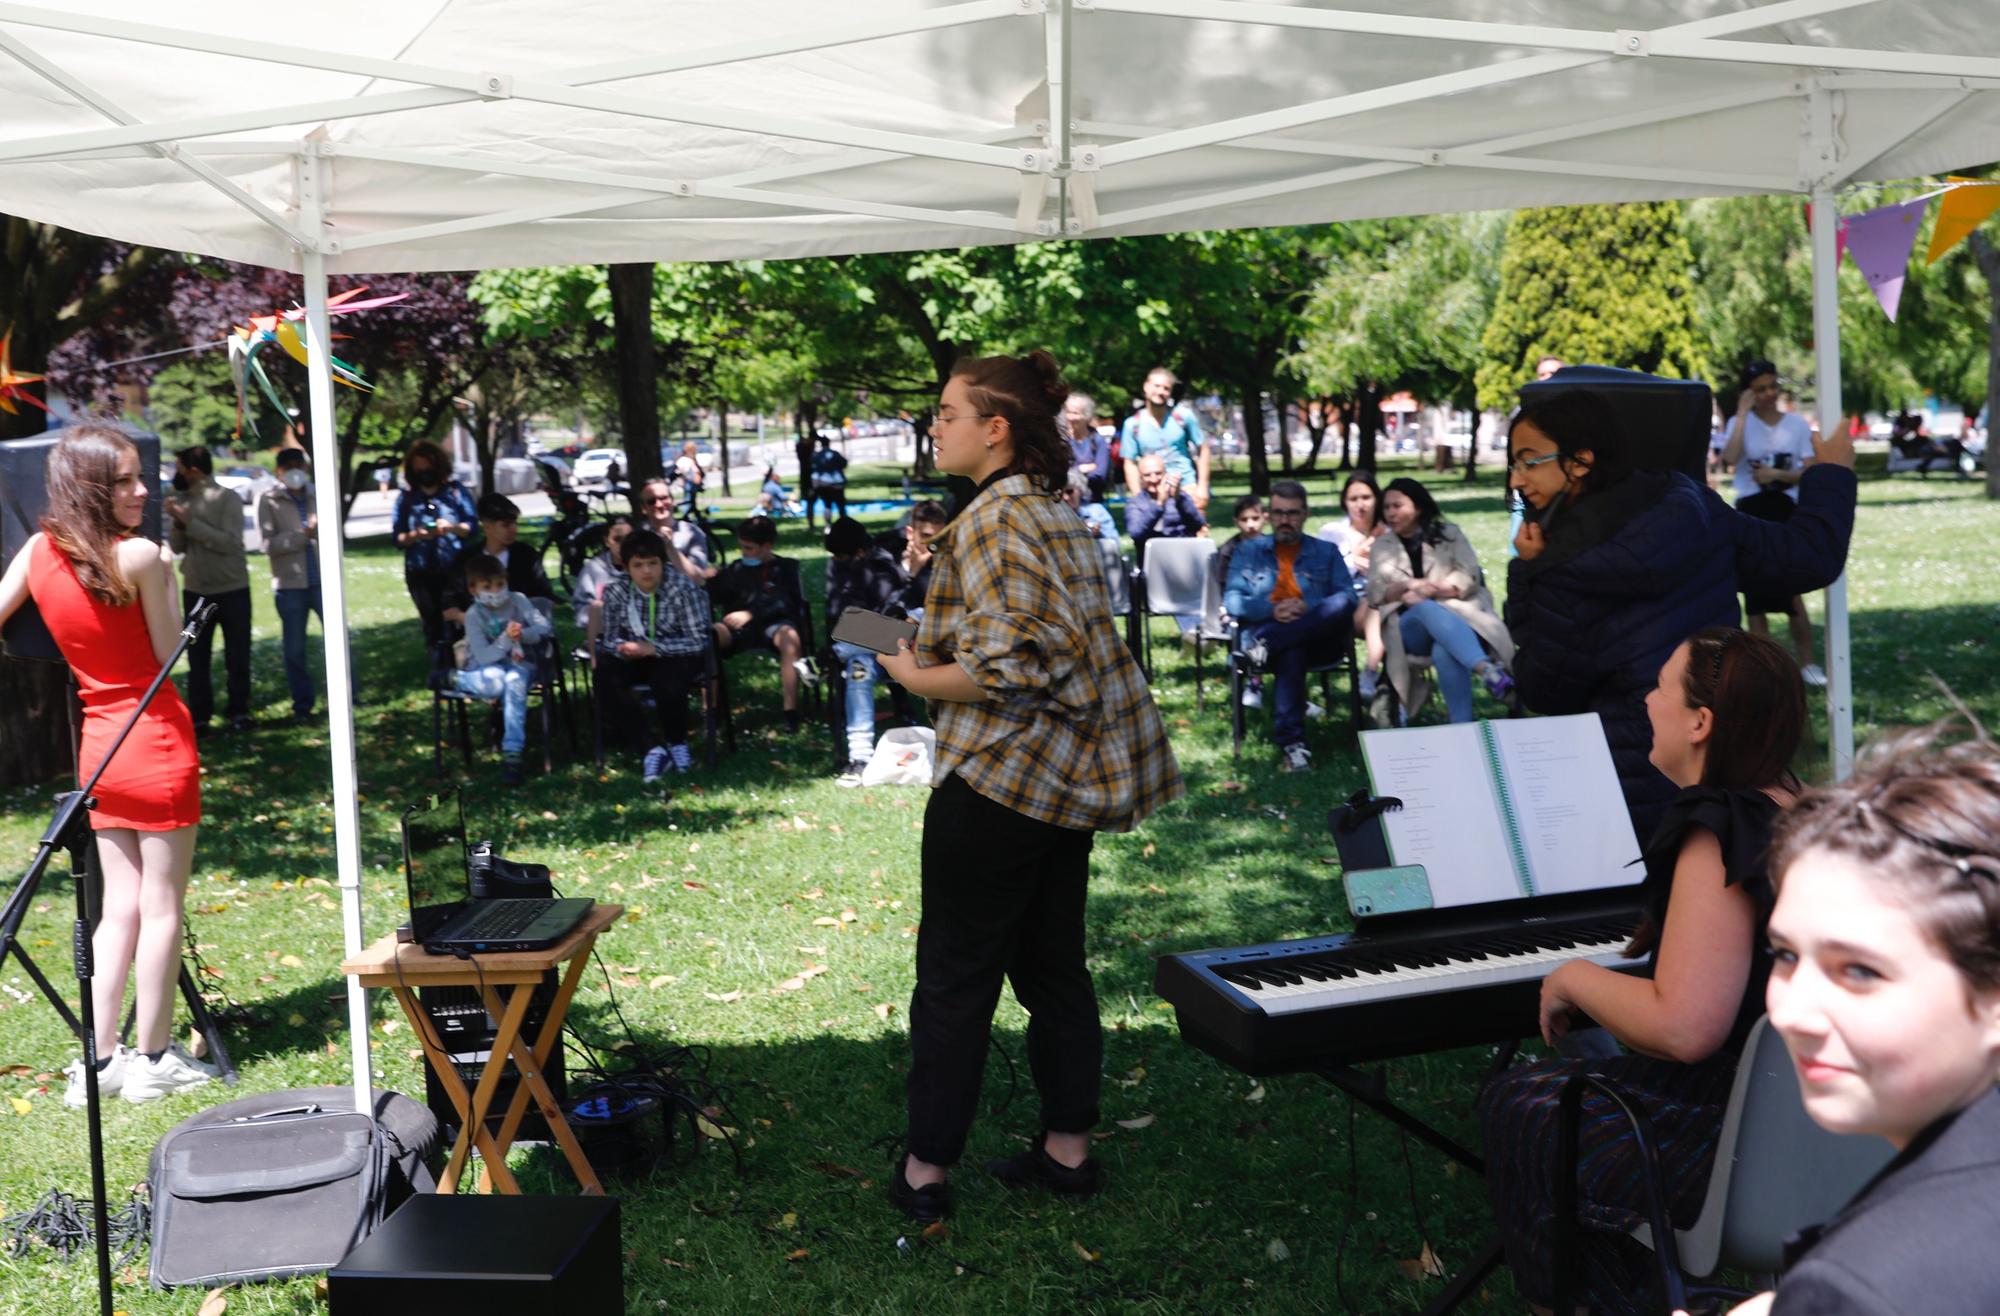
(325, 442)
(1826, 346)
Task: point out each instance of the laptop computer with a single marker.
(444, 920)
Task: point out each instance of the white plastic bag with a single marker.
(902, 757)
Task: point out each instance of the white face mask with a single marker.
(294, 479)
(491, 598)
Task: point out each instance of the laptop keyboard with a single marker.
(502, 918)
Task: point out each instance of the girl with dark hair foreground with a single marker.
(1046, 735)
(1727, 714)
(110, 600)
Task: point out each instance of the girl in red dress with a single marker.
(110, 599)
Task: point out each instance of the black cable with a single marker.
(1013, 1077)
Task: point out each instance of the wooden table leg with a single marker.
(472, 1132)
(528, 1066)
(447, 1076)
(545, 1043)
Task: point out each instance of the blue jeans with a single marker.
(509, 684)
(293, 605)
(1433, 631)
(1293, 646)
(860, 671)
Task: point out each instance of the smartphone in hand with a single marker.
(872, 630)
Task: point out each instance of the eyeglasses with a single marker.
(1518, 465)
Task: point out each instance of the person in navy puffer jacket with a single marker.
(1617, 566)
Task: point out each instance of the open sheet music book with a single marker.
(1503, 810)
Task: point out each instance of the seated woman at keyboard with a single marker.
(1727, 715)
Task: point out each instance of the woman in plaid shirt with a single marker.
(1046, 735)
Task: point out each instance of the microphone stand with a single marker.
(70, 830)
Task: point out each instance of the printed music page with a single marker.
(1450, 819)
(1566, 798)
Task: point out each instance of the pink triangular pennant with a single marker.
(1880, 242)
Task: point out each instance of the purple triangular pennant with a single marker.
(1880, 241)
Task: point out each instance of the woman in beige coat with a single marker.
(1425, 580)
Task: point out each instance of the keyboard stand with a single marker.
(1368, 1087)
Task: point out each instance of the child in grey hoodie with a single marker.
(500, 628)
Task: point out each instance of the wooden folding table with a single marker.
(506, 982)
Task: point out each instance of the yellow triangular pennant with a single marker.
(1963, 209)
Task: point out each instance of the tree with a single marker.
(1609, 285)
(638, 388)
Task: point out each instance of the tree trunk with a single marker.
(1989, 265)
(1284, 438)
(1370, 422)
(1347, 406)
(722, 442)
(1253, 443)
(638, 377)
(1472, 449)
(1319, 419)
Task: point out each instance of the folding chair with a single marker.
(1172, 580)
(1760, 1192)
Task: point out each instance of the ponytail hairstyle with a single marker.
(81, 521)
(1922, 818)
(1028, 392)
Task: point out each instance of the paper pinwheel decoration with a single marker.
(282, 328)
(11, 384)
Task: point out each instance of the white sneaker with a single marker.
(1314, 711)
(147, 1080)
(1814, 674)
(109, 1079)
(1252, 697)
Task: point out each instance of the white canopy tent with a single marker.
(402, 135)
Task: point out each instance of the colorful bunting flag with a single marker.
(11, 384)
(1965, 207)
(1880, 241)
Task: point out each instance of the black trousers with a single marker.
(1003, 897)
(429, 590)
(671, 676)
(232, 618)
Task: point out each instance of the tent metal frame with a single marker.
(1058, 173)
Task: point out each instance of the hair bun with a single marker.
(1055, 390)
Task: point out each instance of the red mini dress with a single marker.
(154, 785)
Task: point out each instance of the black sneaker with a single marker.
(241, 722)
(510, 771)
(792, 721)
(924, 1205)
(1035, 1168)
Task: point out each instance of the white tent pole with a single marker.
(328, 495)
(1826, 350)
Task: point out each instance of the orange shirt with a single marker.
(1288, 584)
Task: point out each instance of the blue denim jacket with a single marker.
(1253, 573)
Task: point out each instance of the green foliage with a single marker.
(1604, 284)
(194, 401)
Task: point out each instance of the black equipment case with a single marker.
(282, 1183)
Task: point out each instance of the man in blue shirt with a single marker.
(1172, 432)
(1295, 601)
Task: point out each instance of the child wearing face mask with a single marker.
(500, 629)
(1885, 985)
(291, 545)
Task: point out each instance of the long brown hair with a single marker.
(1029, 392)
(1922, 816)
(81, 521)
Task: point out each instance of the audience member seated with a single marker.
(1161, 509)
(601, 568)
(859, 574)
(690, 545)
(774, 500)
(911, 547)
(1424, 578)
(499, 530)
(1616, 564)
(1095, 515)
(1250, 523)
(1295, 601)
(1090, 448)
(1354, 534)
(763, 604)
(501, 630)
(655, 629)
(1728, 713)
(1885, 985)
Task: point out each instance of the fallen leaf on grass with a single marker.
(211, 970)
(694, 886)
(812, 950)
(661, 980)
(884, 1010)
(9, 1071)
(296, 1020)
(1227, 787)
(1133, 1078)
(813, 894)
(677, 1265)
(215, 1303)
(1275, 1250)
(1150, 850)
(799, 1255)
(1154, 888)
(848, 916)
(826, 922)
(1084, 1252)
(937, 1231)
(725, 998)
(789, 1220)
(710, 1129)
(837, 1171)
(1137, 1122)
(20, 1107)
(1255, 1094)
(291, 962)
(1424, 1265)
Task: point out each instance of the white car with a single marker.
(593, 468)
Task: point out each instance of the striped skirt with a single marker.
(1518, 1116)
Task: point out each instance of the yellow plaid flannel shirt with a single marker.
(1068, 733)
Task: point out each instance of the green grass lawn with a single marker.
(1233, 1196)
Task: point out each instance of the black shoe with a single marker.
(792, 721)
(510, 772)
(1035, 1168)
(241, 722)
(923, 1205)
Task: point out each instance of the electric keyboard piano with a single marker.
(1400, 985)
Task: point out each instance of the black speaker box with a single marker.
(469, 1254)
(1666, 421)
(24, 497)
